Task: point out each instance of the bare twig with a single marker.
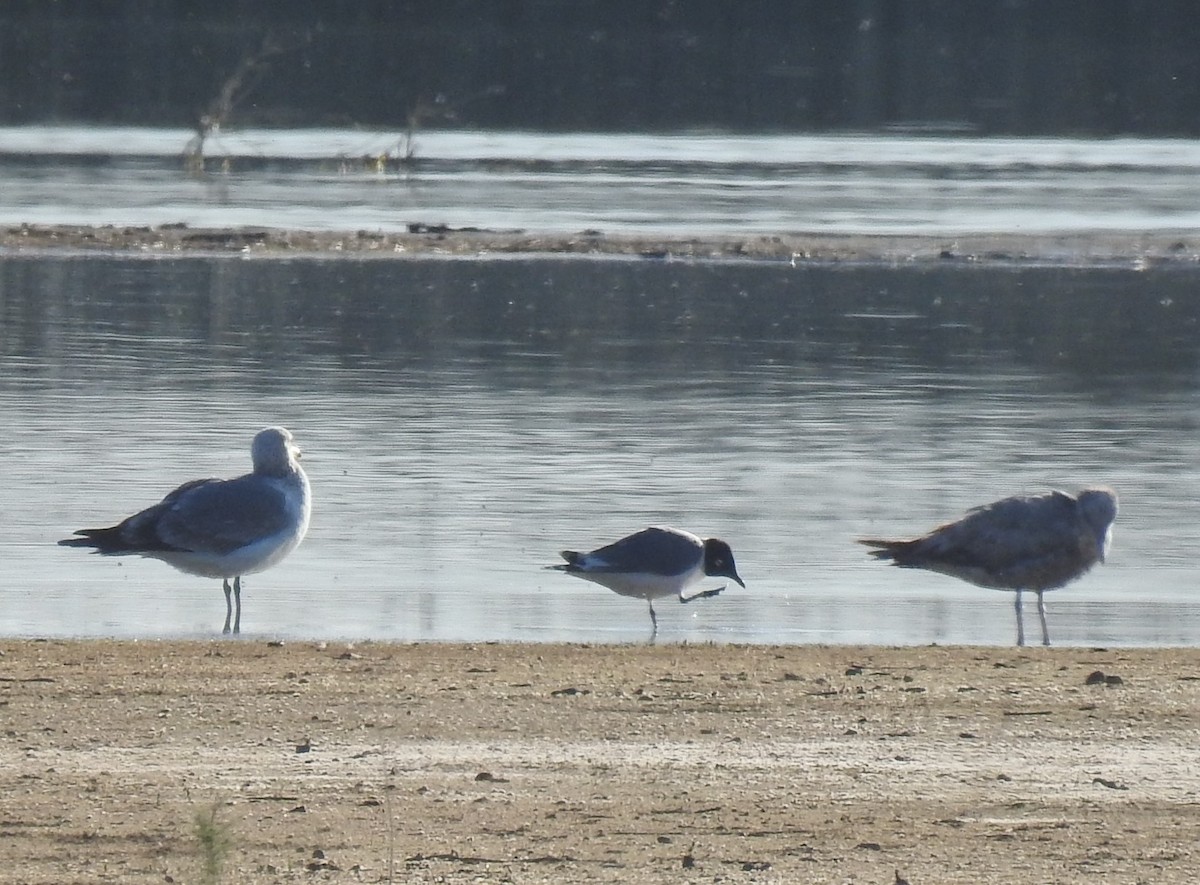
(248, 73)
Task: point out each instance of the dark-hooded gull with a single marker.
(653, 563)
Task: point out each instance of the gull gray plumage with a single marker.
(652, 563)
(221, 528)
(1036, 543)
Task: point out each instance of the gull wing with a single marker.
(1028, 542)
(655, 551)
(210, 516)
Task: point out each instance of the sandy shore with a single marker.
(532, 763)
(1075, 249)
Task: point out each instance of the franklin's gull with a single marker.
(1036, 543)
(221, 528)
(652, 563)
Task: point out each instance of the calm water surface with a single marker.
(679, 184)
(462, 421)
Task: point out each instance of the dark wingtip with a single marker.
(77, 541)
(572, 559)
(107, 541)
(885, 551)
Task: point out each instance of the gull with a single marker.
(221, 528)
(1036, 543)
(652, 563)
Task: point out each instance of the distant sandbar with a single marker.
(1138, 249)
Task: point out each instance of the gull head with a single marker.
(1099, 509)
(273, 451)
(718, 561)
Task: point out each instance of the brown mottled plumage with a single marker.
(1036, 543)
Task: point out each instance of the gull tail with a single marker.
(898, 552)
(572, 562)
(106, 541)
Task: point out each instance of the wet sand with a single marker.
(569, 763)
(1074, 249)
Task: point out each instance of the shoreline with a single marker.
(460, 762)
(1138, 249)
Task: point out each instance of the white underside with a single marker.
(248, 560)
(642, 585)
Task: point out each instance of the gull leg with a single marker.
(228, 606)
(653, 621)
(237, 595)
(1020, 620)
(1042, 615)
(703, 594)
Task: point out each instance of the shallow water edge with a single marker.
(466, 417)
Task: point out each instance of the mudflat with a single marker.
(1139, 249)
(322, 762)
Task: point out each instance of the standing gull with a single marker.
(1036, 543)
(221, 528)
(652, 563)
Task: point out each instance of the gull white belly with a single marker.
(643, 585)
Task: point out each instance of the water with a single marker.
(463, 421)
(680, 184)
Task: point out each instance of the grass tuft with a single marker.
(215, 842)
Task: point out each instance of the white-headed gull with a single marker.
(221, 528)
